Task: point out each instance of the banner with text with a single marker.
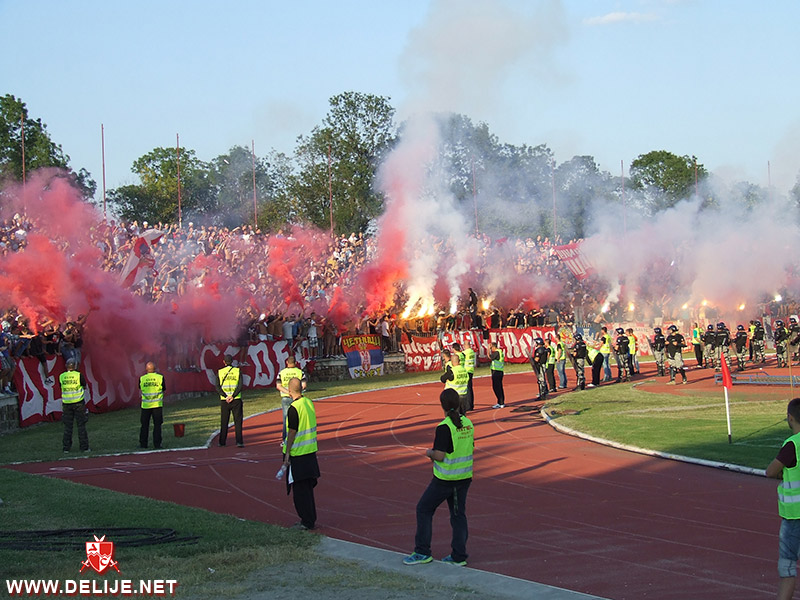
(364, 355)
(571, 255)
(40, 393)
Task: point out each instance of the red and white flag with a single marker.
(727, 380)
(140, 262)
(727, 383)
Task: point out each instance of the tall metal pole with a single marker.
(622, 176)
(330, 187)
(22, 129)
(255, 201)
(475, 196)
(553, 177)
(103, 151)
(178, 152)
(696, 191)
(769, 181)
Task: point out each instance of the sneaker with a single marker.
(498, 406)
(685, 381)
(589, 385)
(451, 561)
(417, 559)
(49, 381)
(240, 445)
(670, 383)
(300, 527)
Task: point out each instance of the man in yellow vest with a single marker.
(73, 405)
(498, 358)
(452, 451)
(229, 388)
(300, 455)
(786, 468)
(456, 377)
(470, 362)
(284, 376)
(151, 385)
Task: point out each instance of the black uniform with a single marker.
(623, 351)
(539, 364)
(740, 343)
(658, 346)
(579, 354)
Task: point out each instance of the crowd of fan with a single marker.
(240, 257)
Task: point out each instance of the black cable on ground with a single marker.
(75, 539)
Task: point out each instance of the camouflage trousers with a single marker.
(623, 361)
(780, 353)
(709, 355)
(659, 356)
(580, 364)
(741, 358)
(758, 350)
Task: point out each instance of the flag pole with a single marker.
(178, 154)
(255, 201)
(103, 152)
(727, 383)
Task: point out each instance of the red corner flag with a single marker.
(727, 381)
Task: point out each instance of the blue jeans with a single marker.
(561, 369)
(606, 367)
(789, 547)
(455, 492)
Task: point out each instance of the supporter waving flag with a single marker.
(140, 262)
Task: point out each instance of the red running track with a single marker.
(544, 506)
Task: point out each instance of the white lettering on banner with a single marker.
(33, 401)
(265, 370)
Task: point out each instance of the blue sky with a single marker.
(610, 78)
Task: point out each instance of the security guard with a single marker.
(498, 358)
(539, 358)
(723, 343)
(633, 348)
(757, 343)
(658, 345)
(780, 335)
(561, 361)
(675, 344)
(290, 371)
(151, 385)
(300, 455)
(470, 362)
(229, 388)
(457, 378)
(697, 344)
(73, 405)
(605, 350)
(709, 345)
(622, 350)
(740, 343)
(551, 366)
(793, 339)
(579, 354)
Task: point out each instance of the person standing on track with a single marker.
(539, 356)
(786, 468)
(675, 345)
(73, 405)
(470, 362)
(498, 358)
(456, 377)
(229, 388)
(300, 455)
(579, 354)
(658, 345)
(151, 385)
(452, 451)
(285, 375)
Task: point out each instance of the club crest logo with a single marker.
(99, 555)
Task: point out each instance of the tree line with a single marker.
(333, 169)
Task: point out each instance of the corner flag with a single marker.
(727, 383)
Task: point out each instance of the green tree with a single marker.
(356, 133)
(156, 197)
(40, 150)
(666, 178)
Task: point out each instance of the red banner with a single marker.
(40, 397)
(518, 343)
(576, 262)
(422, 353)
